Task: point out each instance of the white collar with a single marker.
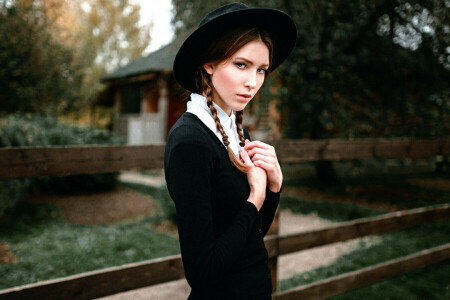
(198, 107)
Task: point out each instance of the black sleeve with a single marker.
(270, 204)
(268, 209)
(206, 258)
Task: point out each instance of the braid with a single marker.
(209, 102)
(239, 115)
(207, 91)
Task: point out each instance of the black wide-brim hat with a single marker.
(277, 24)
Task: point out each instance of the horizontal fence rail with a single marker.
(101, 283)
(352, 280)
(284, 244)
(59, 161)
(20, 162)
(132, 276)
(301, 150)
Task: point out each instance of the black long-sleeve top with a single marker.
(221, 233)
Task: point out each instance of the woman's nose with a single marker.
(251, 81)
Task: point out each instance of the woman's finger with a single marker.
(261, 151)
(245, 158)
(265, 158)
(264, 165)
(249, 145)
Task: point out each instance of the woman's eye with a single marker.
(262, 71)
(240, 65)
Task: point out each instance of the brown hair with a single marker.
(220, 50)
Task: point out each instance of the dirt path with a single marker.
(102, 207)
(6, 256)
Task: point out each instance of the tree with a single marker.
(37, 72)
(188, 14)
(361, 68)
(53, 52)
(108, 36)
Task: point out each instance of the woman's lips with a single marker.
(245, 97)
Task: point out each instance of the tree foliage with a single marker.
(37, 72)
(109, 36)
(360, 68)
(53, 52)
(188, 14)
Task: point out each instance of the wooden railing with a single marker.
(359, 228)
(55, 161)
(52, 161)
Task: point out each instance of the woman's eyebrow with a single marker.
(250, 62)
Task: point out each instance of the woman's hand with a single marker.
(264, 156)
(257, 179)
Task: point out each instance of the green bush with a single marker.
(11, 191)
(20, 130)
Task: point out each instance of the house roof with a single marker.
(160, 60)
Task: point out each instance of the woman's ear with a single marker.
(209, 68)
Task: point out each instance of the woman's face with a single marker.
(236, 80)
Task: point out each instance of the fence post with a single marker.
(273, 261)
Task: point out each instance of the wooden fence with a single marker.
(55, 161)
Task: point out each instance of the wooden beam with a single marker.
(102, 282)
(303, 150)
(22, 162)
(274, 230)
(59, 161)
(285, 244)
(356, 279)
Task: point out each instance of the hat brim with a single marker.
(277, 24)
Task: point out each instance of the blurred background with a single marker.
(83, 72)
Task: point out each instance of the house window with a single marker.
(131, 96)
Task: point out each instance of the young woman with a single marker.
(226, 187)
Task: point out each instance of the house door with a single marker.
(177, 106)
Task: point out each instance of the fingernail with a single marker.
(246, 141)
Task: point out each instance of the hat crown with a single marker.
(223, 10)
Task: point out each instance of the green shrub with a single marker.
(11, 191)
(19, 130)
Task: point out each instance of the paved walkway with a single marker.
(134, 177)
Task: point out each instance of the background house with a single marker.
(147, 100)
